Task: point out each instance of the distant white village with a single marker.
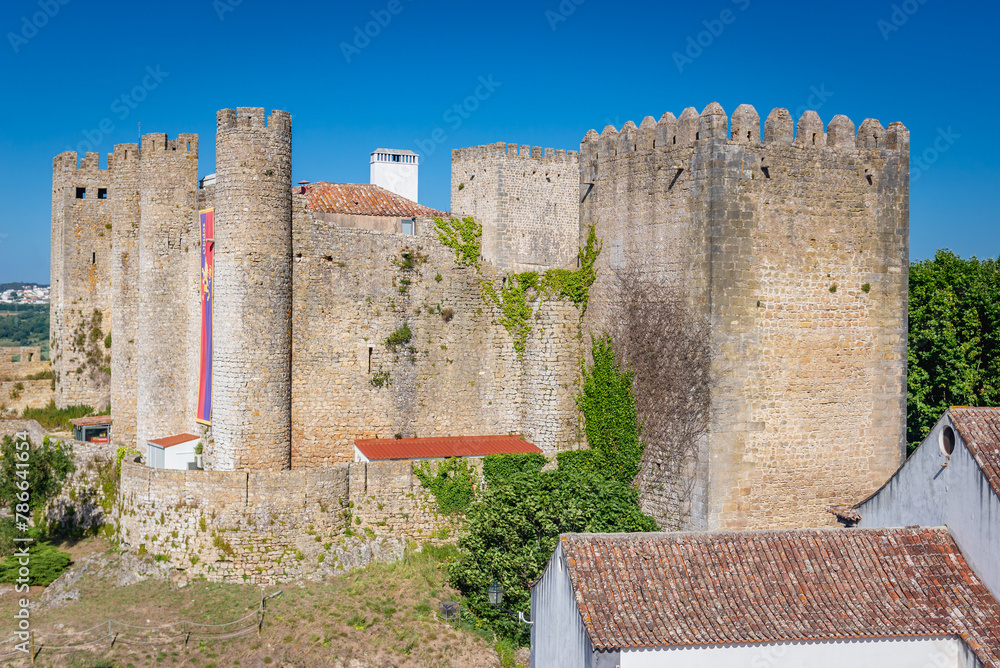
(26, 294)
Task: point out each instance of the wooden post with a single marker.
(260, 624)
(31, 639)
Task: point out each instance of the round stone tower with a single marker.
(168, 237)
(251, 384)
(123, 165)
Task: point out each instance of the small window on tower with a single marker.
(93, 258)
(81, 193)
(102, 193)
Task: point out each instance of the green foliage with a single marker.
(954, 339)
(866, 288)
(400, 337)
(463, 237)
(47, 562)
(609, 407)
(8, 532)
(514, 308)
(515, 524)
(49, 464)
(380, 378)
(28, 325)
(452, 482)
(56, 419)
(575, 285)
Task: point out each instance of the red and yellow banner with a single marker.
(207, 291)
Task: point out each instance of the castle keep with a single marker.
(789, 250)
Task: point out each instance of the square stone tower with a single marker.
(792, 251)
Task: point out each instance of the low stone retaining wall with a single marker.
(17, 395)
(270, 527)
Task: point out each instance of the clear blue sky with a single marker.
(558, 70)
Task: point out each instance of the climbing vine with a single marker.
(517, 291)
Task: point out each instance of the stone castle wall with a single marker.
(275, 526)
(808, 379)
(80, 294)
(124, 165)
(527, 203)
(169, 251)
(29, 362)
(251, 421)
(17, 395)
(458, 375)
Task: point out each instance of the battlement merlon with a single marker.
(186, 143)
(744, 128)
(510, 151)
(245, 118)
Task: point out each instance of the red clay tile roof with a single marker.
(980, 429)
(657, 589)
(439, 447)
(364, 199)
(174, 440)
(91, 421)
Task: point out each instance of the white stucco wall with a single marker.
(925, 492)
(894, 653)
(400, 178)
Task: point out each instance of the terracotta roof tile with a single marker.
(91, 421)
(980, 429)
(440, 447)
(170, 441)
(657, 589)
(364, 199)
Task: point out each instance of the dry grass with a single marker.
(382, 616)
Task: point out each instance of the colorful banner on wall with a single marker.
(207, 289)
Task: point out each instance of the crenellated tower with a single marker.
(123, 165)
(251, 422)
(526, 200)
(80, 293)
(793, 251)
(168, 244)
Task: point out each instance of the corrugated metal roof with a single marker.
(723, 587)
(174, 440)
(91, 421)
(980, 429)
(440, 447)
(364, 199)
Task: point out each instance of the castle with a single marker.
(790, 251)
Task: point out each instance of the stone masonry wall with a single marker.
(17, 395)
(527, 203)
(275, 526)
(124, 165)
(458, 375)
(81, 280)
(169, 241)
(795, 251)
(29, 362)
(251, 402)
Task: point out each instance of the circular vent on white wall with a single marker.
(946, 438)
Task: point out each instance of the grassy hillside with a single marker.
(381, 616)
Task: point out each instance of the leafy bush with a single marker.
(400, 337)
(453, 484)
(515, 524)
(56, 419)
(48, 467)
(954, 339)
(8, 532)
(46, 563)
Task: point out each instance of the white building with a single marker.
(179, 452)
(396, 171)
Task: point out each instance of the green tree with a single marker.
(515, 525)
(954, 338)
(48, 466)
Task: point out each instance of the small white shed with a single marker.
(173, 452)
